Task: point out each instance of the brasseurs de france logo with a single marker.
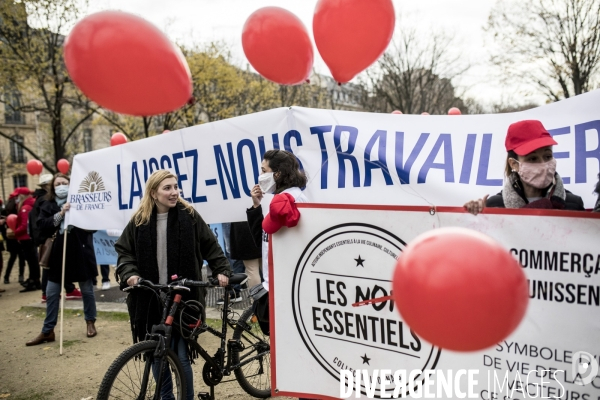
(343, 265)
(92, 194)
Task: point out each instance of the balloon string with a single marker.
(372, 301)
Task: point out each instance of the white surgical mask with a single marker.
(61, 191)
(266, 182)
(17, 200)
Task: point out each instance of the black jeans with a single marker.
(15, 251)
(31, 256)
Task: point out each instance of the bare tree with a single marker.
(552, 44)
(415, 76)
(32, 65)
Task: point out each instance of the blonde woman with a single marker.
(166, 237)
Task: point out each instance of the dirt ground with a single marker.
(40, 373)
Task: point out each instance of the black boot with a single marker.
(30, 286)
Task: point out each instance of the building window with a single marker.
(87, 140)
(16, 152)
(12, 115)
(20, 180)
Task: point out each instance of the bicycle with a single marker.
(152, 370)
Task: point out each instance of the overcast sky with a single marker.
(197, 21)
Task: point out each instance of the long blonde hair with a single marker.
(144, 211)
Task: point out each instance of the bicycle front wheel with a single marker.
(134, 375)
(254, 374)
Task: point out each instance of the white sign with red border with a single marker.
(339, 255)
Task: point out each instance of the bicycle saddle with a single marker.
(238, 279)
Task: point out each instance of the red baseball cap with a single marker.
(526, 136)
(282, 212)
(22, 190)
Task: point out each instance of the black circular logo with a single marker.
(341, 266)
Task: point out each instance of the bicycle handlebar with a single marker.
(176, 284)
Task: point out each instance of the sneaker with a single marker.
(44, 298)
(236, 298)
(21, 279)
(74, 295)
(105, 285)
(233, 298)
(6, 281)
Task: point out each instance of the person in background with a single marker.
(25, 202)
(39, 238)
(165, 237)
(237, 266)
(530, 170)
(80, 261)
(243, 248)
(105, 272)
(12, 245)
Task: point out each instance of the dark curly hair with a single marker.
(286, 170)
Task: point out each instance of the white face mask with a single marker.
(61, 191)
(266, 182)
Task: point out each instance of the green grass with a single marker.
(107, 316)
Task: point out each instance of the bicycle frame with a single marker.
(216, 365)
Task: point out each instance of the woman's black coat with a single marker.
(80, 256)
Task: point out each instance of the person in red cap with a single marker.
(25, 203)
(280, 175)
(531, 177)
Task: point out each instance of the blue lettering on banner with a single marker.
(581, 151)
(403, 171)
(484, 162)
(444, 140)
(380, 137)
(253, 159)
(320, 131)
(119, 190)
(238, 162)
(165, 160)
(287, 146)
(230, 171)
(153, 163)
(561, 154)
(195, 198)
(135, 179)
(465, 173)
(344, 156)
(180, 177)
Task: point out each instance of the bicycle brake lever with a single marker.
(177, 287)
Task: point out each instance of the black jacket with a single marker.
(242, 246)
(572, 202)
(80, 256)
(34, 231)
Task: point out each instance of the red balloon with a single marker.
(63, 166)
(352, 34)
(126, 64)
(34, 167)
(11, 221)
(278, 46)
(454, 111)
(459, 289)
(118, 138)
(397, 112)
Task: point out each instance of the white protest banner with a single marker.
(349, 157)
(339, 255)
